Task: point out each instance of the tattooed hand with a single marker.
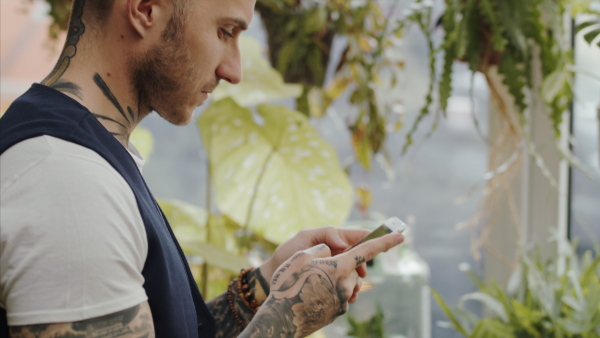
(337, 239)
(312, 288)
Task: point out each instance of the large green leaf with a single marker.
(187, 221)
(218, 257)
(281, 166)
(189, 226)
(261, 83)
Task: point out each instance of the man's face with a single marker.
(199, 48)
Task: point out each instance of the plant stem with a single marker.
(302, 104)
(245, 239)
(204, 269)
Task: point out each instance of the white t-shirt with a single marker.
(72, 240)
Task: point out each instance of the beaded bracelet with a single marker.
(232, 306)
(244, 291)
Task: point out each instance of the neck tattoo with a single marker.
(76, 30)
(127, 121)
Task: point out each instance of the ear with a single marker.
(148, 17)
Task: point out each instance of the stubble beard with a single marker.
(159, 75)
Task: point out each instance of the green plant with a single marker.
(59, 11)
(521, 39)
(372, 327)
(300, 36)
(523, 50)
(590, 29)
(556, 298)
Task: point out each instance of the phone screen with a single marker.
(391, 225)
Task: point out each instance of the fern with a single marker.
(514, 78)
(423, 22)
(449, 47)
(462, 38)
(474, 37)
(488, 14)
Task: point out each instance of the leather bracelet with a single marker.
(244, 291)
(232, 305)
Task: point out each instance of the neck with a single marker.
(109, 95)
(100, 80)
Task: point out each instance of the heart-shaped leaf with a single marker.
(275, 174)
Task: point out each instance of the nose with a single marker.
(230, 69)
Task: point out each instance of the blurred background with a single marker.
(437, 186)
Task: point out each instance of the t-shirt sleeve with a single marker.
(72, 241)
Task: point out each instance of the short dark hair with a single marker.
(100, 9)
(96, 12)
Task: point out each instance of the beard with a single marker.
(159, 75)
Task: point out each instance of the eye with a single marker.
(226, 33)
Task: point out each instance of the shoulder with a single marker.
(63, 181)
(54, 174)
(71, 228)
(40, 154)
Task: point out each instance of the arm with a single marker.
(226, 321)
(336, 239)
(133, 322)
(312, 288)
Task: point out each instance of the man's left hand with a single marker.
(337, 239)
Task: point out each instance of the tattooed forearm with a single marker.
(305, 302)
(259, 285)
(227, 325)
(76, 30)
(133, 322)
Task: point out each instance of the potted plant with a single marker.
(544, 298)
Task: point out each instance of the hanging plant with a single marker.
(300, 36)
(523, 50)
(519, 39)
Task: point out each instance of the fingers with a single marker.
(348, 286)
(352, 236)
(318, 251)
(337, 239)
(362, 270)
(365, 252)
(356, 290)
(329, 236)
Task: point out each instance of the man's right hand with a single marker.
(312, 288)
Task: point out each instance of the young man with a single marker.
(84, 249)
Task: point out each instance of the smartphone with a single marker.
(392, 225)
